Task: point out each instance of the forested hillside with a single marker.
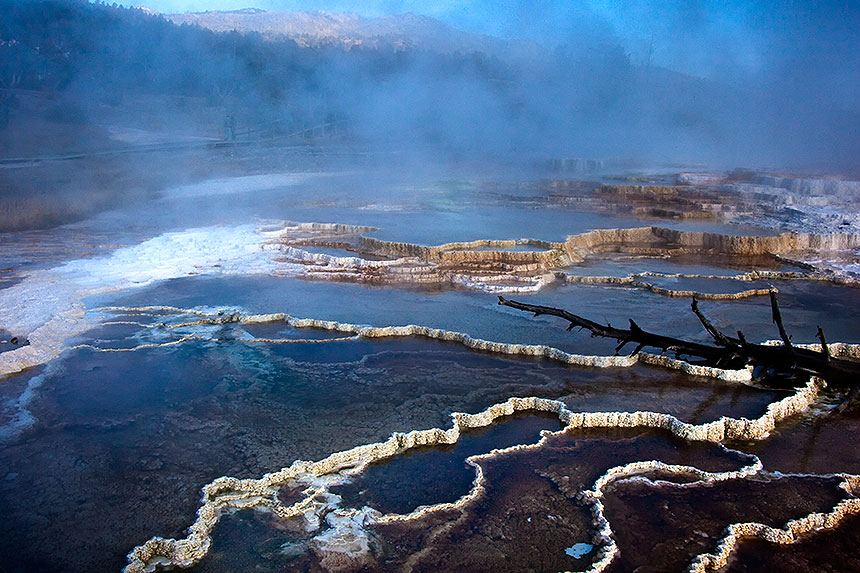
(88, 54)
(581, 98)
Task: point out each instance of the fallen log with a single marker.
(783, 365)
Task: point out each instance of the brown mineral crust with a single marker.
(575, 459)
(632, 192)
(664, 213)
(393, 248)
(673, 201)
(524, 522)
(545, 254)
(291, 493)
(379, 244)
(661, 527)
(531, 511)
(825, 551)
(811, 446)
(407, 540)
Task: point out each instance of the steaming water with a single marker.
(108, 440)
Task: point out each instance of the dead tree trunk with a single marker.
(728, 352)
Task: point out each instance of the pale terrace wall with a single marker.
(648, 238)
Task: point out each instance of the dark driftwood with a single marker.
(634, 334)
(784, 364)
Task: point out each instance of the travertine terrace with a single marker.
(345, 540)
(142, 292)
(229, 494)
(526, 265)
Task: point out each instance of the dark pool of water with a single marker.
(706, 285)
(609, 265)
(528, 516)
(669, 526)
(277, 330)
(809, 444)
(834, 550)
(402, 483)
(251, 541)
(804, 306)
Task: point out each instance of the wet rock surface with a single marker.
(531, 511)
(824, 551)
(666, 526)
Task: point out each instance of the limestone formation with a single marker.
(648, 240)
(693, 198)
(345, 542)
(503, 266)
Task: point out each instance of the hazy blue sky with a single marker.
(708, 38)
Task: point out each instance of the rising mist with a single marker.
(774, 86)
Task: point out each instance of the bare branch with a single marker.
(623, 336)
(718, 336)
(731, 352)
(824, 349)
(777, 319)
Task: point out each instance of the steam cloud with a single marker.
(754, 84)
